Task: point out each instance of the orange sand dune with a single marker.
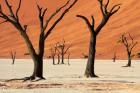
(73, 29)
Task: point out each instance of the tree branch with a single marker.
(93, 22)
(131, 38)
(101, 7)
(114, 9)
(87, 22)
(59, 19)
(55, 13)
(106, 14)
(13, 19)
(133, 46)
(106, 5)
(125, 41)
(10, 10)
(68, 48)
(18, 9)
(40, 17)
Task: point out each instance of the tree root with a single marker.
(95, 76)
(91, 76)
(31, 78)
(126, 66)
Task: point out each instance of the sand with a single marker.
(113, 78)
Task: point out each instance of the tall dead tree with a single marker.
(62, 49)
(13, 57)
(45, 30)
(129, 45)
(94, 32)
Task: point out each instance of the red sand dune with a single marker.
(73, 29)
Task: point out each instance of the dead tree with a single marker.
(129, 47)
(114, 57)
(68, 58)
(58, 56)
(89, 72)
(13, 57)
(62, 49)
(45, 30)
(53, 53)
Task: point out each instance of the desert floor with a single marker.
(113, 78)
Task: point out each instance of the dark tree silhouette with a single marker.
(13, 57)
(37, 56)
(114, 57)
(62, 49)
(53, 53)
(58, 56)
(89, 72)
(129, 47)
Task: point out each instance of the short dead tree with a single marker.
(53, 53)
(63, 49)
(129, 45)
(68, 58)
(13, 57)
(114, 57)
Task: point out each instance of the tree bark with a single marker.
(37, 58)
(129, 60)
(38, 68)
(62, 55)
(90, 70)
(58, 59)
(53, 60)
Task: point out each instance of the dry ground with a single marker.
(69, 79)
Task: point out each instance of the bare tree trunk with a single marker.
(114, 57)
(53, 60)
(62, 56)
(58, 59)
(129, 60)
(68, 58)
(38, 68)
(13, 56)
(37, 59)
(90, 70)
